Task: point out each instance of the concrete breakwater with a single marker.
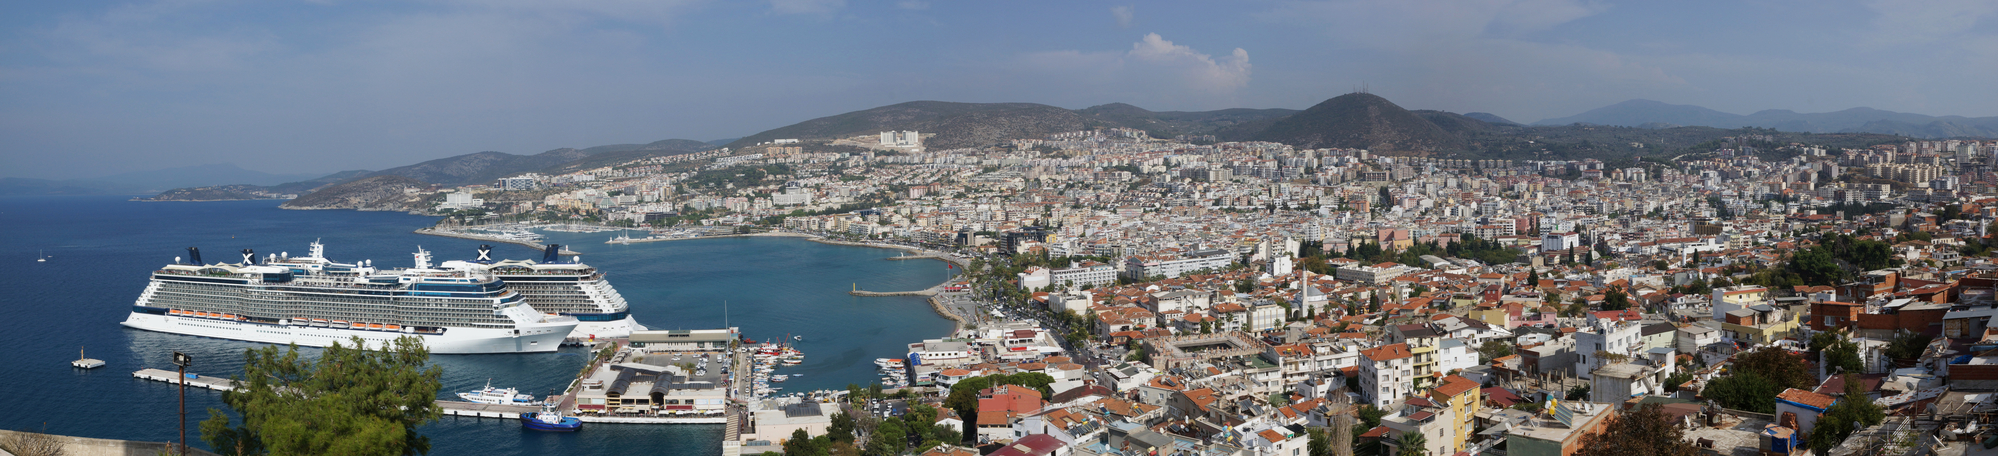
(930, 292)
(956, 320)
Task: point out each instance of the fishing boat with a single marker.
(498, 396)
(548, 420)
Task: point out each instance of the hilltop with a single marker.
(1359, 121)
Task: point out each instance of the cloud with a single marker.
(806, 6)
(1200, 71)
(1123, 14)
(1154, 71)
(1920, 22)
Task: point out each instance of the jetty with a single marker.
(194, 380)
(931, 291)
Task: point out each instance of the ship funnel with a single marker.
(485, 254)
(553, 254)
(249, 257)
(194, 256)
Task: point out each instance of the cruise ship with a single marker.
(457, 308)
(568, 288)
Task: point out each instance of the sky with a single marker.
(93, 88)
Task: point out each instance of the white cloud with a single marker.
(1154, 72)
(1200, 71)
(806, 6)
(1123, 14)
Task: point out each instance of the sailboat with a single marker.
(41, 257)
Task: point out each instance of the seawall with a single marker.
(84, 446)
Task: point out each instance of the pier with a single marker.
(199, 381)
(931, 291)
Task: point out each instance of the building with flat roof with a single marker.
(683, 339)
(1543, 435)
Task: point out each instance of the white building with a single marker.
(1091, 273)
(1611, 337)
(901, 139)
(1387, 373)
(1560, 241)
(1140, 267)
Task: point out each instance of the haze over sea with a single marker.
(101, 251)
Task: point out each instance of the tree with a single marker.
(841, 429)
(801, 444)
(1778, 366)
(1646, 431)
(1615, 299)
(1578, 393)
(1842, 356)
(1744, 391)
(890, 438)
(1837, 423)
(349, 401)
(1412, 444)
(1493, 349)
(1317, 444)
(1340, 436)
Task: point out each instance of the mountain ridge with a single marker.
(1639, 112)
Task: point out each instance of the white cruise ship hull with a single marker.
(532, 338)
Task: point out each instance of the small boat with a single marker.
(548, 420)
(498, 396)
(798, 338)
(41, 257)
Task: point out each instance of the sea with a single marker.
(100, 251)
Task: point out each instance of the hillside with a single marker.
(1168, 124)
(378, 193)
(1356, 120)
(955, 124)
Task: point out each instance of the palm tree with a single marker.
(1412, 444)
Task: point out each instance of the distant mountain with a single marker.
(1638, 112)
(1359, 120)
(1490, 118)
(149, 181)
(1653, 114)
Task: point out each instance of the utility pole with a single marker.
(182, 360)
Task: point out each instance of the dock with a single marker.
(199, 381)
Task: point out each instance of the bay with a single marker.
(101, 249)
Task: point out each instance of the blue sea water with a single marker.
(101, 249)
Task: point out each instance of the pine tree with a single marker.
(349, 401)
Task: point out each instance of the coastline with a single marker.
(454, 234)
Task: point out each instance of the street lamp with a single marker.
(182, 360)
